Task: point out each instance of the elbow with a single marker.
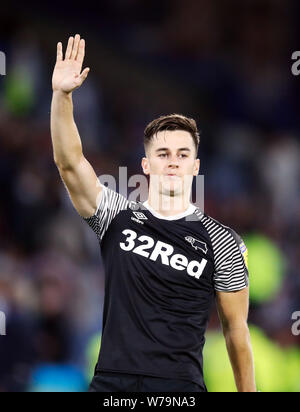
(67, 164)
(236, 328)
(61, 165)
(56, 161)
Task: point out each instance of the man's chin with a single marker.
(171, 190)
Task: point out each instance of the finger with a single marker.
(80, 54)
(69, 48)
(84, 74)
(59, 55)
(75, 46)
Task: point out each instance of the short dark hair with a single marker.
(172, 122)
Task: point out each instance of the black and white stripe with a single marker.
(110, 205)
(231, 273)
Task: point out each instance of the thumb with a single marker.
(84, 74)
(80, 79)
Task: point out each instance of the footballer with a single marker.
(165, 261)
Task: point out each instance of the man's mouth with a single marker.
(173, 176)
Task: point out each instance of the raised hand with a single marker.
(67, 74)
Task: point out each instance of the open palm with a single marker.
(67, 74)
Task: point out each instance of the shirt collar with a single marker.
(190, 210)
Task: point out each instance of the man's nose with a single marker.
(173, 161)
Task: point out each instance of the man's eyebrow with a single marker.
(161, 148)
(166, 148)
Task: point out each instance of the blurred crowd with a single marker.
(226, 64)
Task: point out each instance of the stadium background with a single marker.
(228, 65)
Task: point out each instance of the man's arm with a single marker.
(233, 312)
(76, 172)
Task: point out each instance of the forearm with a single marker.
(67, 147)
(241, 358)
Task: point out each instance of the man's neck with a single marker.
(168, 206)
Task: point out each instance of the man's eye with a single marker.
(182, 155)
(162, 155)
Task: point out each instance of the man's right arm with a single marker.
(76, 172)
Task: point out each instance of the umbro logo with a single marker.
(197, 244)
(139, 217)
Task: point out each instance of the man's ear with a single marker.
(196, 167)
(145, 165)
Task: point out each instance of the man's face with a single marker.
(171, 162)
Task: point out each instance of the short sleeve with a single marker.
(111, 203)
(231, 263)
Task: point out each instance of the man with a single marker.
(165, 261)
